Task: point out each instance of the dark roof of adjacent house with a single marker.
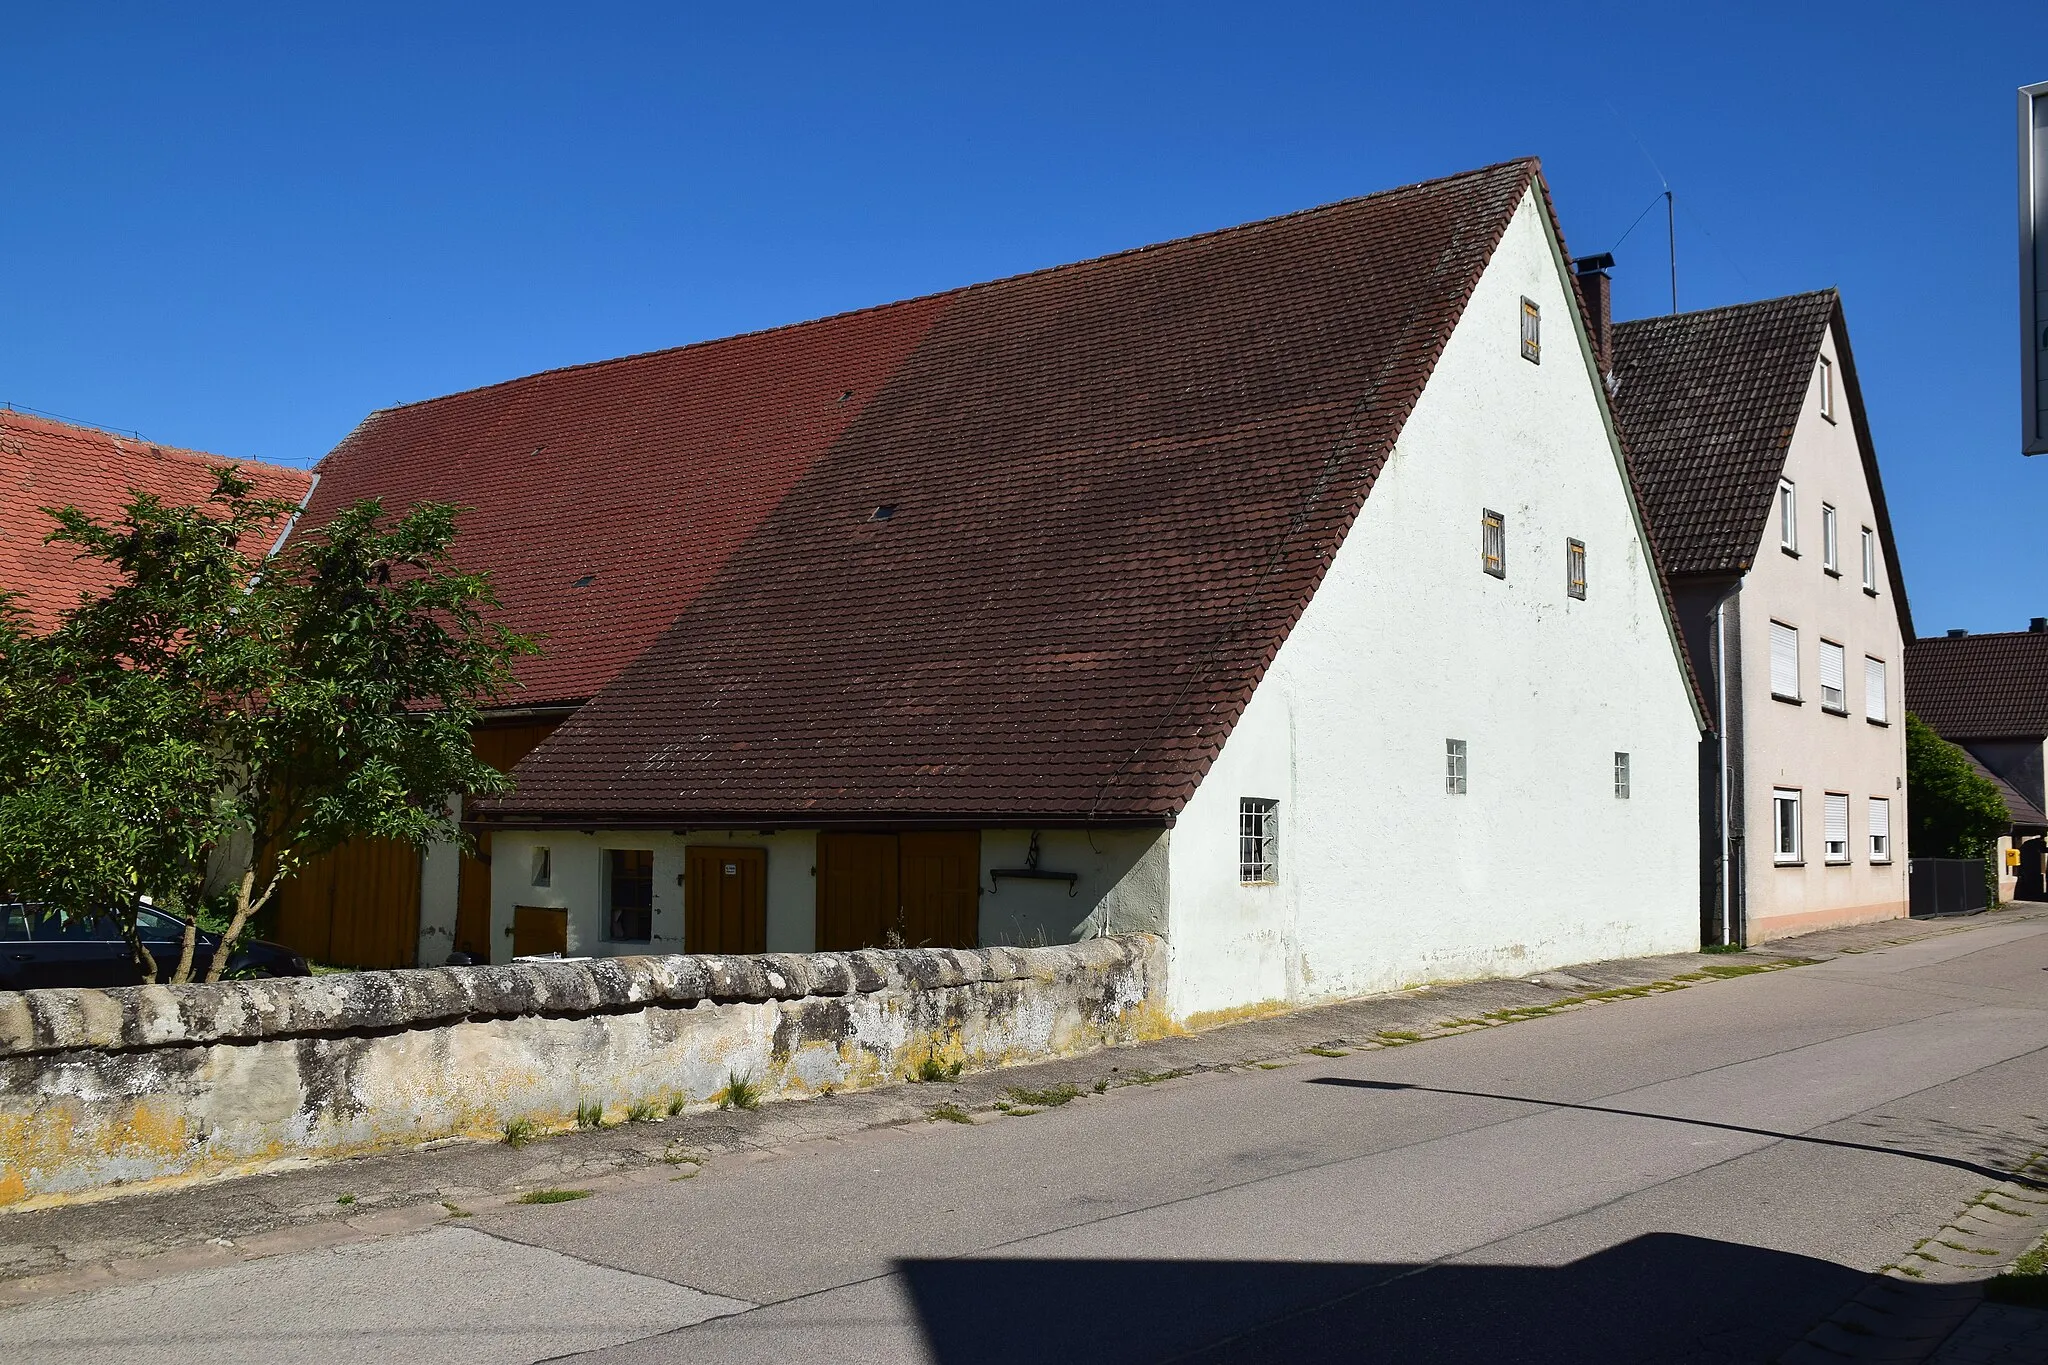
(1707, 403)
(1064, 526)
(2022, 811)
(1980, 686)
(47, 463)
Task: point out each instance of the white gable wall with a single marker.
(1385, 879)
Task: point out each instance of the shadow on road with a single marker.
(1667, 1298)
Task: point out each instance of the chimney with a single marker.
(2038, 626)
(1589, 273)
(1957, 634)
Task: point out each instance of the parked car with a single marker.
(38, 949)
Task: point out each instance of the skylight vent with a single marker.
(584, 581)
(883, 513)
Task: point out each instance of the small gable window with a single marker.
(1532, 332)
(1575, 569)
(1869, 561)
(1493, 543)
(1788, 517)
(1830, 547)
(1258, 841)
(1827, 388)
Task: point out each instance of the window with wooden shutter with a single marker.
(1532, 332)
(1784, 661)
(1835, 826)
(1454, 767)
(1575, 569)
(1788, 516)
(1785, 824)
(1880, 829)
(1833, 668)
(1869, 561)
(1493, 543)
(1874, 707)
(1829, 541)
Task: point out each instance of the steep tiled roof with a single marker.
(1980, 686)
(1041, 567)
(1706, 403)
(45, 463)
(2023, 811)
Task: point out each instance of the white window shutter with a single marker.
(1835, 812)
(1784, 660)
(1880, 825)
(1873, 689)
(1834, 667)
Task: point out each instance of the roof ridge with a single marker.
(1833, 291)
(1530, 163)
(130, 438)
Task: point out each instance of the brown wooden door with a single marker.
(539, 929)
(356, 906)
(857, 890)
(725, 900)
(940, 876)
(501, 746)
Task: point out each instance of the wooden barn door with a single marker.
(725, 900)
(924, 885)
(358, 906)
(857, 900)
(941, 881)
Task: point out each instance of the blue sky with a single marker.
(243, 229)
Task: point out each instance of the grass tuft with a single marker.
(590, 1114)
(930, 1068)
(455, 1210)
(519, 1132)
(949, 1113)
(740, 1092)
(1050, 1098)
(346, 1199)
(643, 1111)
(675, 1104)
(552, 1196)
(1325, 1052)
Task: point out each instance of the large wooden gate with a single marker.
(358, 906)
(924, 885)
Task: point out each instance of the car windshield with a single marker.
(155, 924)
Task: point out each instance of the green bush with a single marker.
(1955, 812)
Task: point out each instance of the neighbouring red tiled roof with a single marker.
(1112, 486)
(1706, 403)
(642, 476)
(45, 463)
(1980, 686)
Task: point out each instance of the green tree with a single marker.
(222, 717)
(1956, 812)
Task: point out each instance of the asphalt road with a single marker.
(1693, 1177)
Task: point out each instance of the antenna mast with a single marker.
(1671, 239)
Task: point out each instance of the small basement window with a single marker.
(1454, 767)
(1258, 841)
(1620, 775)
(543, 867)
(629, 895)
(1575, 569)
(1532, 332)
(1493, 543)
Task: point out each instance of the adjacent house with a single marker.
(50, 463)
(1989, 694)
(1280, 589)
(1753, 458)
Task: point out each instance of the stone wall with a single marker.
(161, 1084)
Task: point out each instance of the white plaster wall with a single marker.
(1385, 880)
(577, 884)
(1803, 746)
(1121, 887)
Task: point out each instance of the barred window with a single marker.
(1532, 332)
(1493, 543)
(1454, 767)
(1575, 569)
(1620, 775)
(1258, 840)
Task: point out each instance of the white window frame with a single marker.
(1835, 699)
(1827, 388)
(1880, 827)
(1834, 817)
(1621, 776)
(1258, 841)
(1493, 542)
(1876, 700)
(1788, 516)
(1532, 331)
(1830, 540)
(1457, 773)
(1783, 652)
(1575, 569)
(1870, 561)
(1783, 852)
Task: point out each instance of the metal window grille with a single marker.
(1575, 569)
(1874, 690)
(1493, 543)
(1258, 840)
(1835, 826)
(1788, 515)
(1870, 559)
(1620, 776)
(1785, 823)
(1833, 668)
(1532, 332)
(1454, 767)
(1784, 661)
(1880, 829)
(1829, 559)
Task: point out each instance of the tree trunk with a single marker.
(183, 973)
(245, 907)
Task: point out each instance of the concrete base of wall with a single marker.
(154, 1085)
(1806, 922)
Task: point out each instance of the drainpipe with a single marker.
(1721, 742)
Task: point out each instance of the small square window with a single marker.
(1620, 776)
(1575, 569)
(1788, 517)
(1493, 543)
(1532, 332)
(1827, 388)
(543, 867)
(1835, 827)
(1830, 558)
(629, 895)
(1785, 824)
(1454, 767)
(1258, 841)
